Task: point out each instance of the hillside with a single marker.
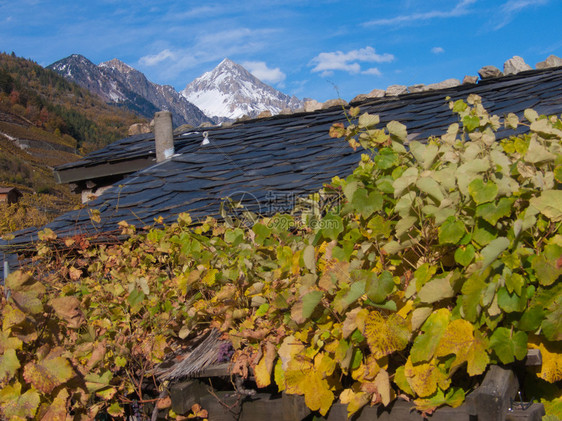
(46, 121)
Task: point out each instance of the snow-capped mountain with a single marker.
(117, 82)
(229, 91)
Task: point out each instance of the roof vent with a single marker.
(206, 140)
(163, 135)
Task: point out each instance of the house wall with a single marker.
(10, 197)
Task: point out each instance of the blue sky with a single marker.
(318, 49)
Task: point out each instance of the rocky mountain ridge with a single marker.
(119, 83)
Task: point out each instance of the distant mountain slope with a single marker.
(45, 121)
(119, 83)
(229, 91)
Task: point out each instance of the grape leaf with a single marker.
(16, 405)
(9, 364)
(509, 347)
(425, 344)
(48, 373)
(57, 409)
(386, 335)
(482, 193)
(459, 340)
(302, 379)
(451, 231)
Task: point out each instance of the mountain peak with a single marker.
(229, 91)
(117, 65)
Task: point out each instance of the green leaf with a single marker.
(386, 158)
(16, 405)
(367, 120)
(367, 203)
(552, 324)
(430, 187)
(531, 115)
(510, 302)
(397, 130)
(332, 226)
(95, 382)
(436, 290)
(425, 154)
(48, 374)
(531, 319)
(309, 258)
(425, 344)
(262, 232)
(470, 122)
(509, 347)
(346, 297)
(537, 153)
(549, 203)
(547, 271)
(493, 250)
(9, 364)
(309, 303)
(483, 232)
(451, 231)
(378, 288)
(472, 293)
(492, 212)
(136, 296)
(482, 193)
(464, 255)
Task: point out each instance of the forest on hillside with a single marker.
(47, 121)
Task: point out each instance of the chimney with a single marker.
(163, 135)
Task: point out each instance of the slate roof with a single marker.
(278, 157)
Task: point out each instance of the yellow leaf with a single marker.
(279, 376)
(288, 349)
(459, 339)
(551, 368)
(386, 335)
(406, 309)
(422, 378)
(355, 400)
(324, 364)
(384, 391)
(264, 367)
(57, 410)
(317, 395)
(367, 370)
(301, 378)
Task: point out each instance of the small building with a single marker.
(9, 195)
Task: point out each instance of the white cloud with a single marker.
(372, 71)
(153, 60)
(437, 50)
(260, 70)
(460, 9)
(203, 48)
(509, 9)
(326, 63)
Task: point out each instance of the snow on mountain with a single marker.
(117, 82)
(229, 92)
